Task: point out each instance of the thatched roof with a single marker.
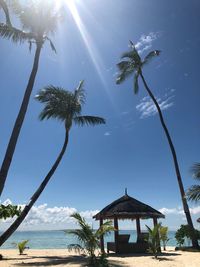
(127, 207)
(198, 220)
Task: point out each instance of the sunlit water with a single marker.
(60, 240)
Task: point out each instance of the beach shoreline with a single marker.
(62, 257)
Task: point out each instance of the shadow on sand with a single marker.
(56, 261)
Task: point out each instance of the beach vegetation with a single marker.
(66, 107)
(163, 233)
(38, 20)
(9, 211)
(89, 240)
(184, 234)
(133, 64)
(154, 240)
(21, 246)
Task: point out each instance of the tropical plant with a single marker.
(184, 233)
(38, 19)
(194, 191)
(132, 63)
(9, 211)
(154, 240)
(21, 246)
(66, 107)
(163, 231)
(89, 240)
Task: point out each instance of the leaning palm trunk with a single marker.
(182, 191)
(35, 196)
(19, 121)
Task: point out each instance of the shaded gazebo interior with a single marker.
(127, 208)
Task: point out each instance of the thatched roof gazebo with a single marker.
(124, 208)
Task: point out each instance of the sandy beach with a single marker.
(61, 257)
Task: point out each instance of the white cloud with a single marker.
(179, 211)
(44, 217)
(145, 41)
(107, 133)
(147, 108)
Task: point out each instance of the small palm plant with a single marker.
(133, 64)
(38, 20)
(194, 191)
(89, 240)
(163, 231)
(21, 246)
(154, 240)
(66, 107)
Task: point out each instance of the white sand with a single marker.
(61, 257)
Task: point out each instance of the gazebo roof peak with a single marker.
(127, 207)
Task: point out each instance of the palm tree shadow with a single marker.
(54, 261)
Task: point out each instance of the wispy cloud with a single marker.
(145, 41)
(107, 133)
(179, 211)
(147, 108)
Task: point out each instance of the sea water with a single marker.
(60, 239)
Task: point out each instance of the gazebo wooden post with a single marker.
(102, 239)
(138, 227)
(155, 222)
(116, 234)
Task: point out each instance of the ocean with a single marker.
(60, 240)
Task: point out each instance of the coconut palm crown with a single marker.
(132, 64)
(38, 20)
(65, 106)
(194, 191)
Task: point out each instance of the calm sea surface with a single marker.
(59, 239)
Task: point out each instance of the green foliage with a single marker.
(154, 240)
(9, 211)
(163, 231)
(132, 64)
(183, 233)
(65, 106)
(193, 193)
(89, 240)
(21, 246)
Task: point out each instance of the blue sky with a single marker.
(131, 149)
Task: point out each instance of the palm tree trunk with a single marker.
(35, 196)
(178, 174)
(19, 121)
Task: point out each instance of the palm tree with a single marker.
(66, 107)
(194, 191)
(133, 64)
(89, 240)
(38, 20)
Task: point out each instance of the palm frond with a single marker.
(105, 229)
(79, 93)
(76, 247)
(51, 45)
(6, 11)
(150, 56)
(88, 120)
(194, 193)
(136, 85)
(17, 36)
(196, 170)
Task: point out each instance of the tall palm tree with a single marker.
(133, 64)
(194, 191)
(66, 107)
(38, 19)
